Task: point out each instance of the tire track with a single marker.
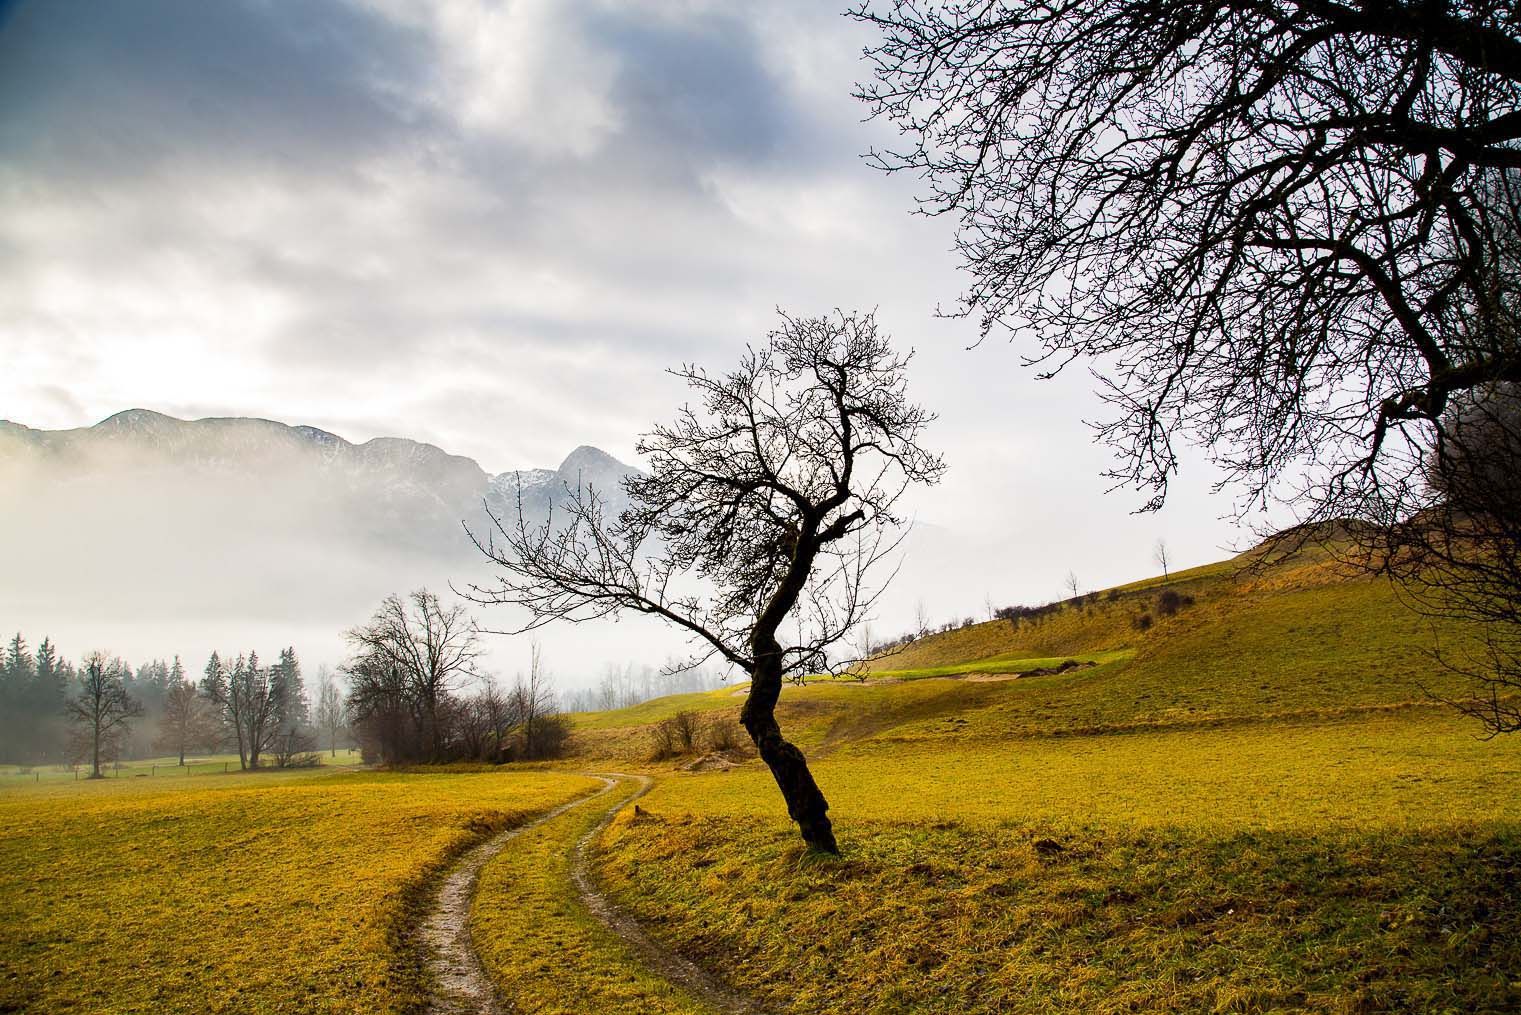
(657, 958)
(458, 981)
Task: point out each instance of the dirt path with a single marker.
(656, 958)
(460, 984)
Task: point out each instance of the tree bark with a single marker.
(805, 803)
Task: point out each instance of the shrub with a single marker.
(1170, 602)
(724, 734)
(1142, 623)
(676, 736)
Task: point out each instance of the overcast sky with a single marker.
(491, 226)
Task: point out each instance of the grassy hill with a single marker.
(1250, 804)
(1294, 639)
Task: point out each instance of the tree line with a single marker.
(104, 710)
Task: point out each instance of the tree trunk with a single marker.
(805, 803)
(95, 754)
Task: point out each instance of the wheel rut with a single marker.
(459, 983)
(657, 958)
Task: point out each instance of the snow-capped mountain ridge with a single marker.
(405, 491)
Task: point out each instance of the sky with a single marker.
(492, 225)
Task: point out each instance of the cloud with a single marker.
(489, 224)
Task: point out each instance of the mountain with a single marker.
(401, 492)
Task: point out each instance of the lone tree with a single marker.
(1287, 229)
(101, 710)
(187, 723)
(766, 507)
(424, 646)
(329, 712)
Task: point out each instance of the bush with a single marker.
(724, 734)
(547, 737)
(1142, 623)
(676, 736)
(1170, 602)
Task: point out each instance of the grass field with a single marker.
(1252, 805)
(267, 892)
(547, 955)
(1361, 864)
(153, 768)
(1249, 804)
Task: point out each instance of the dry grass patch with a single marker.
(267, 892)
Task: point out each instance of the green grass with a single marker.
(269, 892)
(154, 768)
(1008, 663)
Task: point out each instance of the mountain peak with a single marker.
(589, 460)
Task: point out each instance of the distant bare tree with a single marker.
(1071, 585)
(431, 646)
(248, 701)
(497, 715)
(921, 619)
(186, 723)
(329, 711)
(1159, 554)
(767, 505)
(101, 711)
(382, 710)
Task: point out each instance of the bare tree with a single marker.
(430, 645)
(1288, 229)
(921, 619)
(764, 512)
(381, 710)
(254, 702)
(533, 703)
(100, 711)
(1282, 222)
(1459, 556)
(329, 712)
(1070, 584)
(186, 724)
(498, 713)
(1159, 554)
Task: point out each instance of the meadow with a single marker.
(1249, 803)
(277, 892)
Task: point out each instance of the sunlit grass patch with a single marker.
(1007, 663)
(1358, 864)
(265, 892)
(1031, 917)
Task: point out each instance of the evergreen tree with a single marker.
(295, 709)
(44, 702)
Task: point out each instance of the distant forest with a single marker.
(169, 713)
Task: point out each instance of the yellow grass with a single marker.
(260, 893)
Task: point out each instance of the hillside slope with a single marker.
(1250, 805)
(1297, 638)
